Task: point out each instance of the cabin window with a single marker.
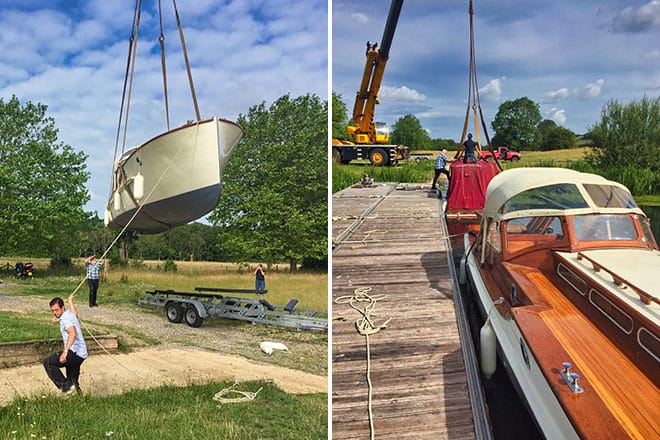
(604, 227)
(608, 196)
(527, 232)
(560, 196)
(649, 342)
(572, 278)
(614, 313)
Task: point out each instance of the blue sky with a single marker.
(570, 57)
(71, 56)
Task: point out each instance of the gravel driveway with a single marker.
(155, 341)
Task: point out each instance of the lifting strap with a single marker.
(161, 40)
(185, 55)
(474, 103)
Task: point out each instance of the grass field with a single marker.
(169, 413)
(127, 284)
(344, 176)
(165, 412)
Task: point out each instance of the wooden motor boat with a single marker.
(565, 270)
(172, 179)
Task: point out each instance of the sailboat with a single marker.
(175, 177)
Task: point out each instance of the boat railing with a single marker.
(621, 282)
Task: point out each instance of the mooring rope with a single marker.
(247, 395)
(366, 326)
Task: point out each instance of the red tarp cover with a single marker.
(467, 189)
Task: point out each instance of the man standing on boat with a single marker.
(75, 349)
(440, 164)
(260, 279)
(93, 274)
(469, 146)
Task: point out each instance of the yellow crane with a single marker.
(372, 138)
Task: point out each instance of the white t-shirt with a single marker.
(67, 320)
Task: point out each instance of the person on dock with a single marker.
(260, 278)
(440, 168)
(75, 349)
(469, 146)
(93, 268)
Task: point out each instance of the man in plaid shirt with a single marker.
(93, 274)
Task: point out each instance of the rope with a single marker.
(247, 395)
(366, 326)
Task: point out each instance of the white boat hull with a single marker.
(520, 363)
(182, 173)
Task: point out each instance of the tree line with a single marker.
(273, 206)
(624, 143)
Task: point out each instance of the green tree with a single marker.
(446, 144)
(339, 117)
(557, 138)
(516, 124)
(407, 130)
(274, 204)
(627, 134)
(42, 184)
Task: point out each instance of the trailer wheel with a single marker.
(192, 317)
(174, 312)
(378, 157)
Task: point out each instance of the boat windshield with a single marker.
(604, 227)
(559, 196)
(608, 196)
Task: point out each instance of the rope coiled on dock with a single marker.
(366, 326)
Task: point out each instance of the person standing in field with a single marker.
(93, 268)
(75, 349)
(440, 164)
(260, 278)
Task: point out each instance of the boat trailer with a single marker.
(195, 307)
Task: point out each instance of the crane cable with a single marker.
(366, 326)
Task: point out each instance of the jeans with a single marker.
(53, 365)
(260, 285)
(472, 155)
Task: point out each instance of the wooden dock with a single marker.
(393, 240)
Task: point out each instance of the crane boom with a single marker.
(363, 127)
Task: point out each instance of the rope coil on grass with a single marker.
(247, 395)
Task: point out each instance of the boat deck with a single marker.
(394, 242)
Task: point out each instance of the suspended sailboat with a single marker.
(467, 190)
(175, 177)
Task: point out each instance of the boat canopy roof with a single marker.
(525, 192)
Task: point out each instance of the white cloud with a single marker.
(556, 95)
(557, 115)
(493, 90)
(633, 20)
(402, 93)
(360, 18)
(590, 91)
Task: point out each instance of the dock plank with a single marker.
(391, 240)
